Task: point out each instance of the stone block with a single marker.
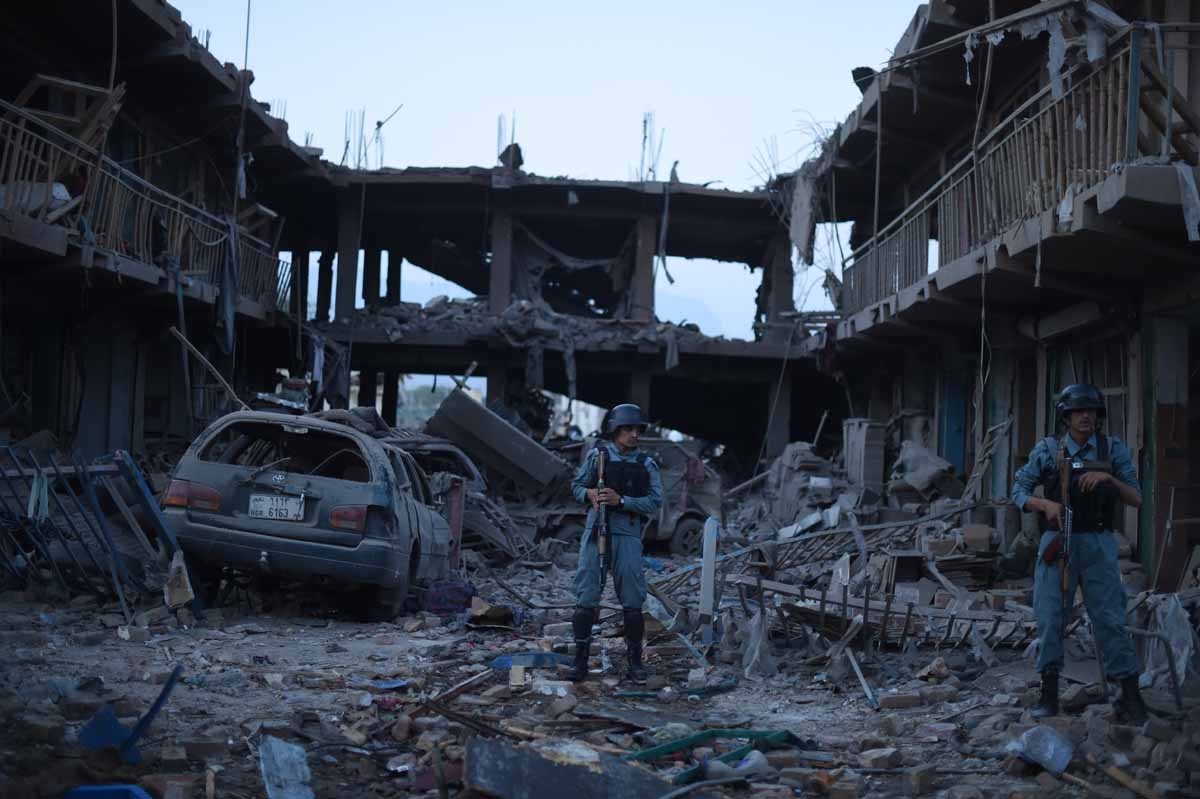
(1122, 735)
(1159, 729)
(402, 728)
(890, 724)
(1141, 748)
(888, 757)
(920, 780)
(933, 694)
(843, 789)
(206, 748)
(173, 758)
(942, 731)
(135, 635)
(900, 701)
(784, 758)
(558, 630)
(564, 704)
(1164, 756)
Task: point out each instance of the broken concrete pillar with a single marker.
(367, 384)
(778, 283)
(779, 416)
(1165, 447)
(641, 289)
(324, 286)
(349, 233)
(500, 269)
(372, 272)
(395, 262)
(299, 304)
(391, 396)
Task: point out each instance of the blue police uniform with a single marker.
(625, 526)
(1092, 562)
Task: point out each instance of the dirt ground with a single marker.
(308, 677)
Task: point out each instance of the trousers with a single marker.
(628, 575)
(1094, 568)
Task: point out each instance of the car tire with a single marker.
(688, 537)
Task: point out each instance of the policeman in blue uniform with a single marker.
(1102, 477)
(631, 497)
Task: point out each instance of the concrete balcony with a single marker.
(60, 198)
(1087, 185)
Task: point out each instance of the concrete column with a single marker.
(371, 274)
(368, 379)
(500, 270)
(639, 390)
(395, 260)
(324, 285)
(779, 422)
(1164, 459)
(300, 284)
(778, 281)
(641, 289)
(497, 379)
(348, 234)
(391, 395)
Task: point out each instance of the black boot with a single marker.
(635, 630)
(581, 625)
(1130, 705)
(1048, 704)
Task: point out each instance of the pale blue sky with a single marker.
(723, 80)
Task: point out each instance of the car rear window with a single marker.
(292, 448)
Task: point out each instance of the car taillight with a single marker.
(177, 494)
(349, 517)
(185, 494)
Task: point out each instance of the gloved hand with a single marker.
(1052, 551)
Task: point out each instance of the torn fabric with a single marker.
(802, 222)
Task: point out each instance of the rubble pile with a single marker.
(836, 641)
(528, 324)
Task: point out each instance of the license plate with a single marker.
(270, 506)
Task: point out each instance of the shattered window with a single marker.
(291, 448)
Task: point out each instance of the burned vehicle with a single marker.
(307, 497)
(535, 483)
(487, 527)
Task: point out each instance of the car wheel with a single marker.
(688, 537)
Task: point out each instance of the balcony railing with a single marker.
(1026, 166)
(51, 177)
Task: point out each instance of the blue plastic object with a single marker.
(530, 660)
(107, 792)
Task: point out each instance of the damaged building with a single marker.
(193, 473)
(1003, 248)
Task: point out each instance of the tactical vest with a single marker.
(1095, 510)
(628, 478)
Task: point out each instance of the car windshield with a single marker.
(290, 448)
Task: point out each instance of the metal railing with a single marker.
(49, 176)
(1046, 149)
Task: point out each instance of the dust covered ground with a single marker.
(353, 697)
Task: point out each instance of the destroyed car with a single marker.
(487, 526)
(307, 497)
(535, 482)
